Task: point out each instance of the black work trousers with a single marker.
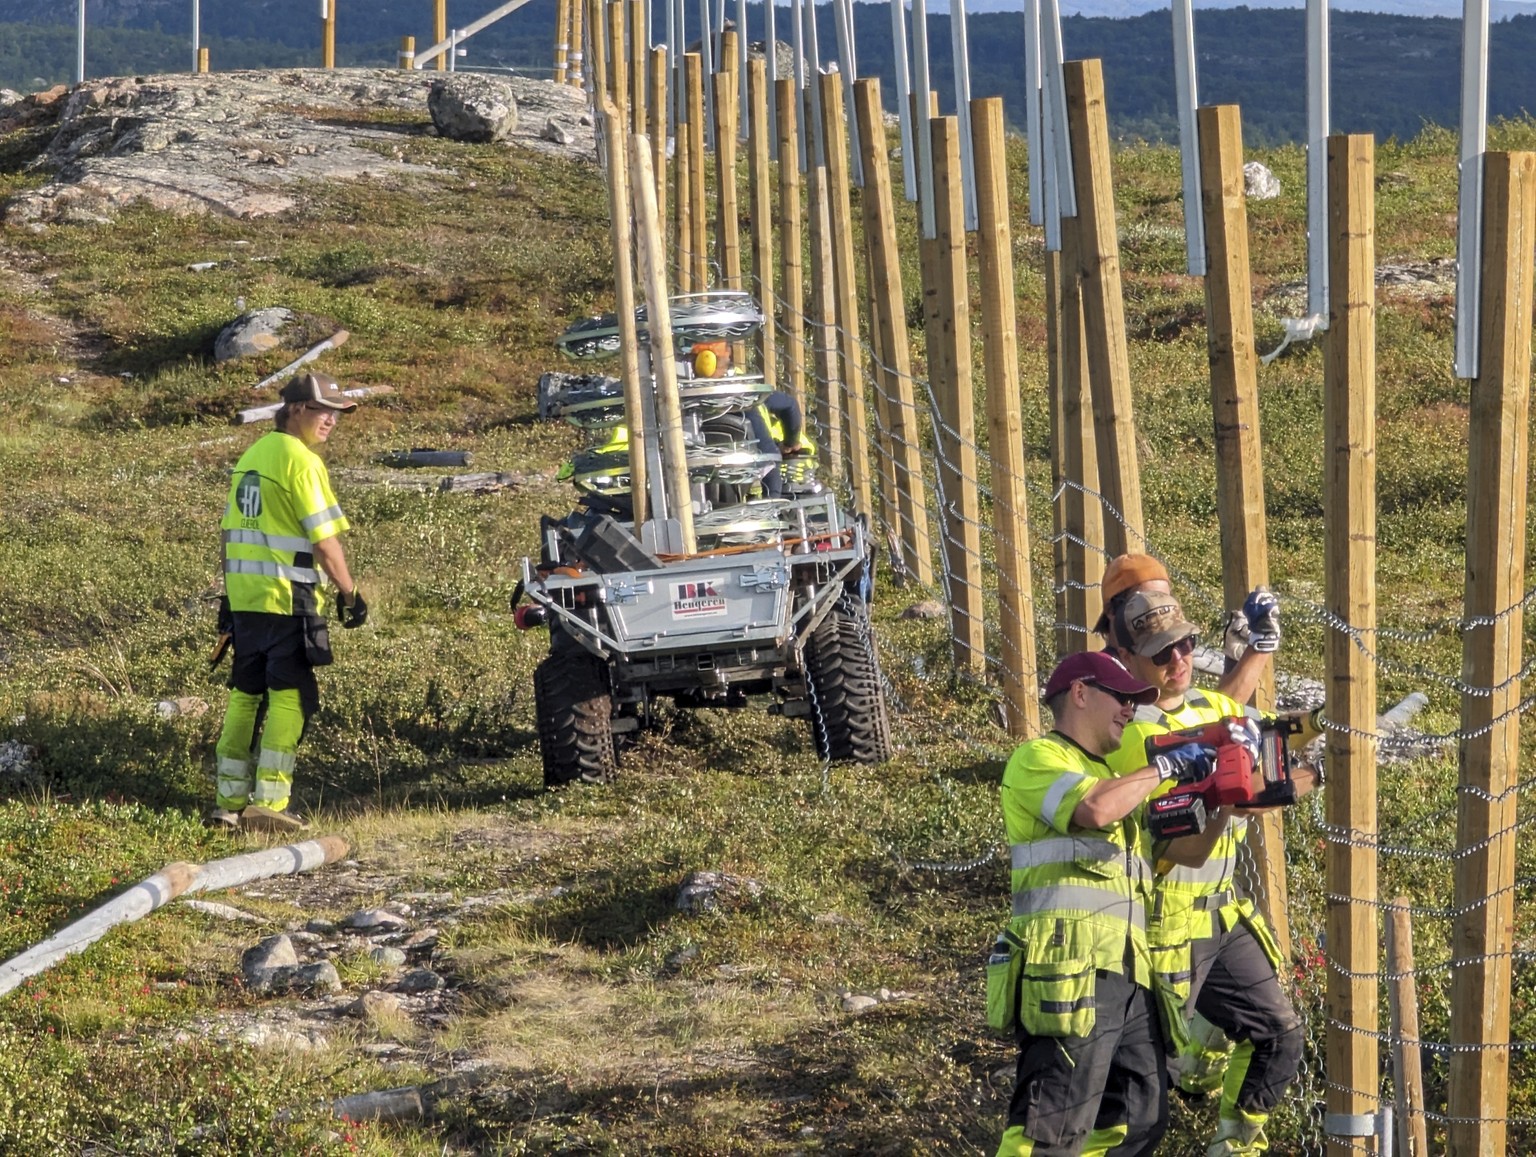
(1235, 988)
(1069, 1086)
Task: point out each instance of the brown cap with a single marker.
(1150, 621)
(318, 390)
(1102, 670)
(1126, 572)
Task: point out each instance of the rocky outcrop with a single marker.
(239, 144)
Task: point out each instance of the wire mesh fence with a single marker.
(933, 480)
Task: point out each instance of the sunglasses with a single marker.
(1118, 696)
(1182, 648)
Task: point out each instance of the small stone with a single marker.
(855, 1003)
(421, 941)
(558, 133)
(834, 918)
(317, 925)
(1259, 183)
(374, 1005)
(387, 957)
(705, 891)
(682, 956)
(375, 919)
(883, 995)
(927, 609)
(273, 952)
(420, 980)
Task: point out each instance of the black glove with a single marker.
(355, 612)
(1186, 763)
(1262, 610)
(226, 621)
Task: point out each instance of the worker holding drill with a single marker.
(1071, 974)
(1210, 944)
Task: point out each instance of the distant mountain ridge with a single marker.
(1391, 74)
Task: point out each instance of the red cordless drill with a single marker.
(1183, 812)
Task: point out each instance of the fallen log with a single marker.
(262, 413)
(160, 889)
(336, 340)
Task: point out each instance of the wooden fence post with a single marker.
(1055, 405)
(202, 54)
(949, 370)
(1083, 512)
(1349, 559)
(440, 29)
(328, 34)
(727, 210)
(1239, 451)
(562, 38)
(760, 197)
(698, 252)
(575, 72)
(653, 276)
(597, 34)
(658, 114)
(829, 413)
(682, 194)
(1484, 932)
(791, 323)
(1403, 1020)
(638, 43)
(618, 57)
(1103, 305)
(902, 453)
(1005, 430)
(619, 207)
(834, 131)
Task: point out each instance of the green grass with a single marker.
(605, 1020)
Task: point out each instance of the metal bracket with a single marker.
(1351, 1124)
(626, 590)
(766, 577)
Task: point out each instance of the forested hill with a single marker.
(1391, 74)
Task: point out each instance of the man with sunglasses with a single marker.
(1071, 975)
(1210, 945)
(280, 531)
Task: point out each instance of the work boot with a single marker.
(221, 820)
(263, 819)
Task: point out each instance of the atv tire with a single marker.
(848, 716)
(575, 716)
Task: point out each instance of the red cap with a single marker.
(1102, 670)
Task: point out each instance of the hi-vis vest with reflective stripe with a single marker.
(1097, 880)
(776, 432)
(1212, 886)
(280, 505)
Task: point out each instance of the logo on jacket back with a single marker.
(699, 599)
(248, 495)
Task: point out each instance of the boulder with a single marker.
(470, 107)
(1259, 183)
(252, 333)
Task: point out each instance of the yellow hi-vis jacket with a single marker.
(280, 505)
(1080, 895)
(776, 431)
(1188, 901)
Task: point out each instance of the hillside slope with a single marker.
(534, 975)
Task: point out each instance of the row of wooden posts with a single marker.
(1094, 463)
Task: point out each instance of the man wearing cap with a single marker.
(1071, 973)
(280, 531)
(1209, 944)
(1252, 634)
